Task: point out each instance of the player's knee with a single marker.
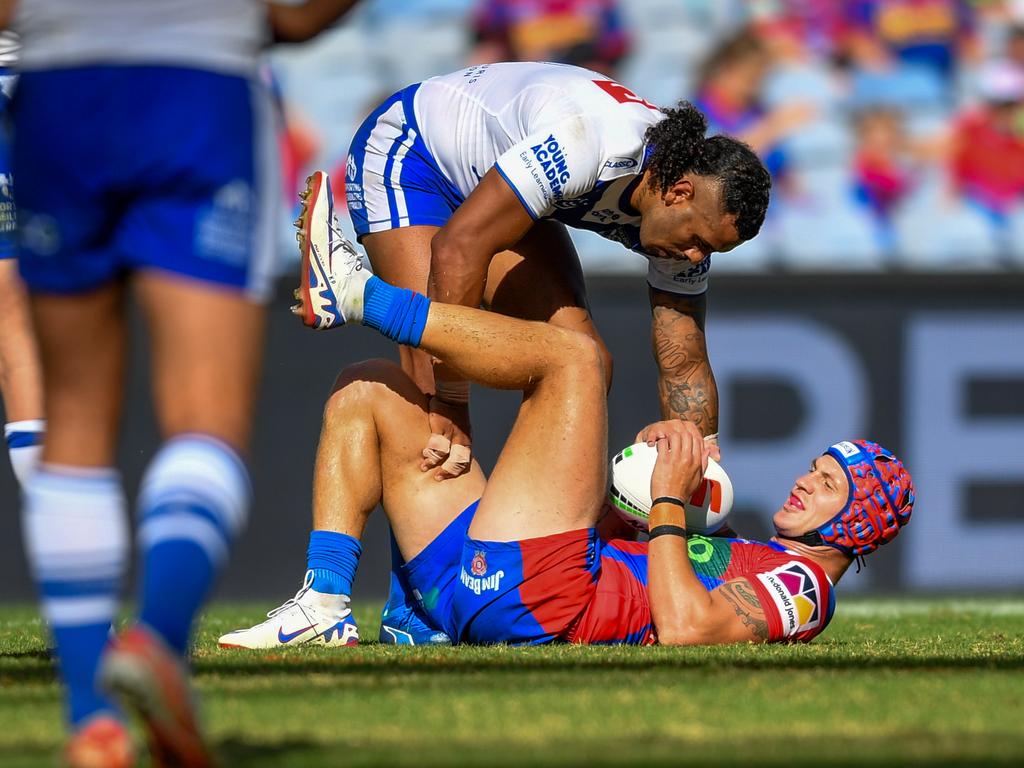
(355, 385)
(585, 356)
(362, 386)
(377, 369)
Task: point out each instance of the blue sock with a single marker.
(76, 540)
(193, 503)
(398, 313)
(333, 558)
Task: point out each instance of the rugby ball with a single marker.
(630, 491)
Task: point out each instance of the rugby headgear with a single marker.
(880, 501)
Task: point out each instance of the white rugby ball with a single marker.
(630, 492)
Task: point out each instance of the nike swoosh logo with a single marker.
(283, 638)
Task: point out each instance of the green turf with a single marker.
(894, 683)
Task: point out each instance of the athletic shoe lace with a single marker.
(307, 582)
(341, 243)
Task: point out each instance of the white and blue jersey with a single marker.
(569, 142)
(144, 141)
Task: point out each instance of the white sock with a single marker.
(337, 606)
(25, 445)
(75, 529)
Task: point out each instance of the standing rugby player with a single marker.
(143, 140)
(462, 186)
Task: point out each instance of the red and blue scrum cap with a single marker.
(880, 501)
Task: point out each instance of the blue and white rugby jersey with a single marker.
(570, 143)
(215, 35)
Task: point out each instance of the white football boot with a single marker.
(333, 274)
(310, 617)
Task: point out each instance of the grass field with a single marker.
(890, 683)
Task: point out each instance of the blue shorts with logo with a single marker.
(144, 167)
(391, 180)
(432, 574)
(525, 592)
(8, 212)
(519, 592)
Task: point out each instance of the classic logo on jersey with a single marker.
(797, 594)
(552, 162)
(350, 168)
(621, 162)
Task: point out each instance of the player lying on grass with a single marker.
(517, 558)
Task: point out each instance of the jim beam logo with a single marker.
(477, 581)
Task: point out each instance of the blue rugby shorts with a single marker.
(126, 168)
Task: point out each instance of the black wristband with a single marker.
(668, 500)
(666, 530)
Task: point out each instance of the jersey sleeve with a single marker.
(797, 598)
(678, 275)
(558, 162)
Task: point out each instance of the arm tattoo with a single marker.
(746, 605)
(686, 383)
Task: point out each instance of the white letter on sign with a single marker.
(948, 449)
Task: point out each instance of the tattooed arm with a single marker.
(732, 613)
(747, 607)
(686, 383)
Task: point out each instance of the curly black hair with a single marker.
(680, 147)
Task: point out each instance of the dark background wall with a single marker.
(932, 366)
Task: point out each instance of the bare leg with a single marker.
(402, 257)
(82, 346)
(374, 428)
(550, 476)
(541, 279)
(76, 534)
(204, 373)
(21, 383)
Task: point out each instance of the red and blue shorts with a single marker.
(524, 592)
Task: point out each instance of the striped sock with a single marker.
(76, 540)
(193, 503)
(24, 444)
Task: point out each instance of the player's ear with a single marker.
(682, 189)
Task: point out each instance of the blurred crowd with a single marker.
(894, 129)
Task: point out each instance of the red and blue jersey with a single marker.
(796, 595)
(575, 587)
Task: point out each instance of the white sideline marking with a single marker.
(907, 607)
